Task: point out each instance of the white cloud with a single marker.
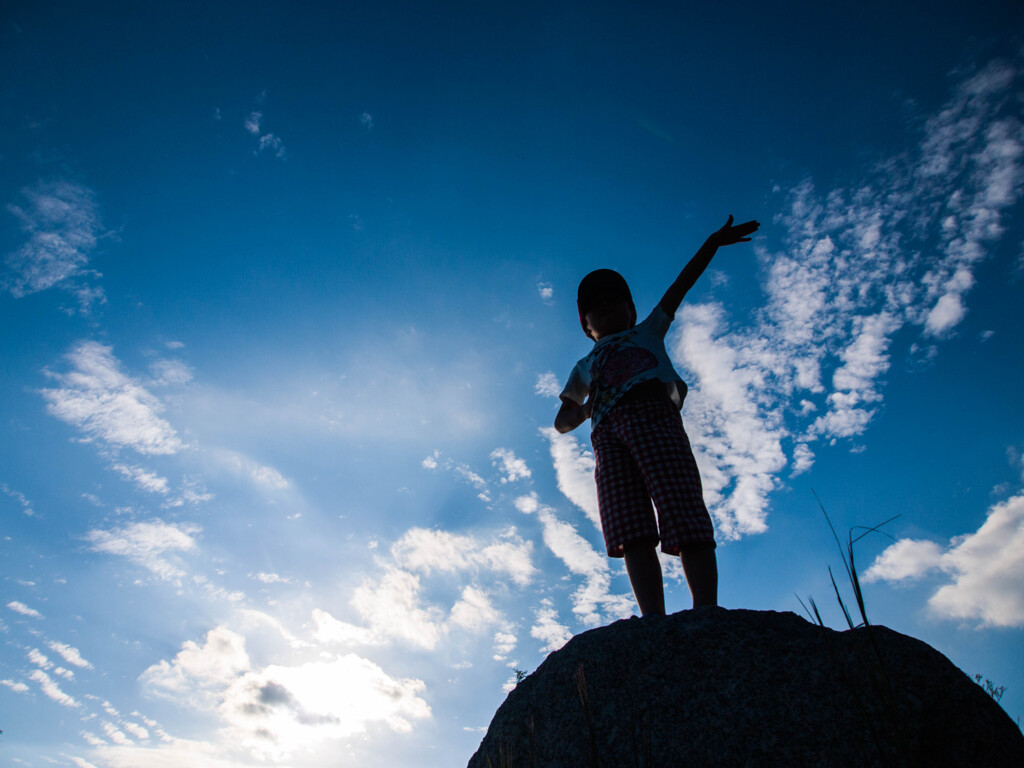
(854, 391)
(264, 141)
(16, 687)
(473, 611)
(472, 478)
(145, 479)
(39, 659)
(803, 459)
(272, 578)
(172, 753)
(366, 120)
(986, 568)
(67, 674)
(331, 699)
(92, 739)
(264, 478)
(105, 404)
(393, 608)
(18, 496)
(148, 544)
(198, 673)
(905, 559)
(114, 733)
(170, 373)
(135, 730)
(279, 709)
(63, 225)
(423, 550)
(462, 471)
(24, 610)
(547, 385)
(546, 291)
(330, 630)
(51, 689)
(513, 468)
(582, 559)
(736, 437)
(252, 123)
(548, 630)
(574, 471)
(504, 643)
(270, 477)
(273, 143)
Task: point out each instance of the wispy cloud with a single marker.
(461, 470)
(62, 223)
(52, 690)
(273, 143)
(108, 405)
(170, 373)
(252, 123)
(151, 544)
(547, 385)
(580, 558)
(145, 479)
(985, 568)
(24, 610)
(18, 496)
(263, 477)
(512, 467)
(69, 653)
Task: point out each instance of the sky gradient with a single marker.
(287, 296)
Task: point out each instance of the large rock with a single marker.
(712, 687)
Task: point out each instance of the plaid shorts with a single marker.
(643, 453)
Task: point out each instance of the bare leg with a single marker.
(644, 571)
(701, 568)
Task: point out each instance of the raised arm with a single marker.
(727, 235)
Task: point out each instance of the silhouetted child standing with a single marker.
(629, 390)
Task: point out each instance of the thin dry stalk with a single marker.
(581, 688)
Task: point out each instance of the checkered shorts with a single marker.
(643, 453)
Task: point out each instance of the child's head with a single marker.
(600, 294)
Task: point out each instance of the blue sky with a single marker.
(288, 296)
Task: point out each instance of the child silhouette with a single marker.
(629, 390)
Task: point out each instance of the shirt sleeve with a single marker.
(578, 386)
(658, 321)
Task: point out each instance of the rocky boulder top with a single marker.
(714, 687)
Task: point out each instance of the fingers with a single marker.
(747, 227)
(739, 232)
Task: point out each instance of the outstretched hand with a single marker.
(729, 234)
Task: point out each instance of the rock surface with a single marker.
(715, 687)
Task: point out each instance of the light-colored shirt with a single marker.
(622, 360)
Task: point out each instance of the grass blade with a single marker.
(839, 597)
